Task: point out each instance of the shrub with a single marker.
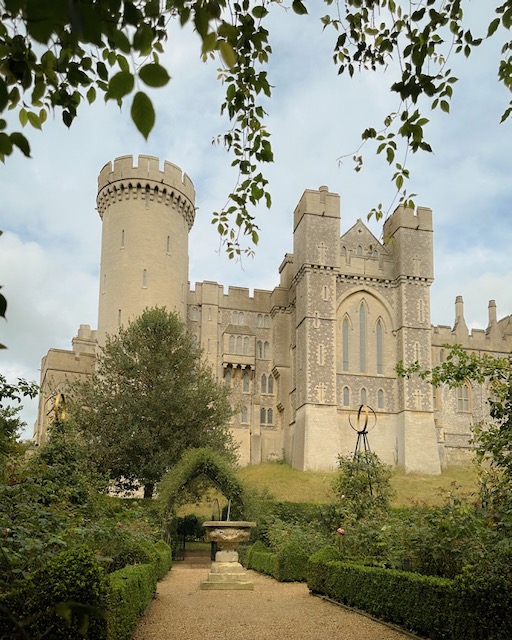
(291, 563)
(467, 608)
(71, 584)
(363, 484)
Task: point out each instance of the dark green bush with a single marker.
(263, 562)
(131, 591)
(257, 546)
(291, 563)
(467, 608)
(72, 582)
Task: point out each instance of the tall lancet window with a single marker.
(362, 338)
(380, 367)
(344, 342)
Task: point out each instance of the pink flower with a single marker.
(340, 531)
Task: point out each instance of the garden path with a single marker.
(273, 611)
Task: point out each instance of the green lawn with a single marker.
(285, 483)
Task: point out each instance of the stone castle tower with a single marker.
(147, 214)
(302, 358)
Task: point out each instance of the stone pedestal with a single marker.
(226, 572)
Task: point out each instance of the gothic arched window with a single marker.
(363, 396)
(270, 386)
(346, 396)
(231, 344)
(270, 416)
(246, 346)
(245, 382)
(344, 343)
(263, 383)
(380, 399)
(244, 415)
(380, 365)
(362, 338)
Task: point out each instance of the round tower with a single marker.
(147, 214)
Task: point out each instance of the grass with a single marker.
(287, 484)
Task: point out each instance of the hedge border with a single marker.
(439, 608)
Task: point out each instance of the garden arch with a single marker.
(193, 464)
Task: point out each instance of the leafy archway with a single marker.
(193, 464)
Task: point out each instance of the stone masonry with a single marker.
(302, 358)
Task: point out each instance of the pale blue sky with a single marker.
(49, 255)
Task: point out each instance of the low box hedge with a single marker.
(94, 605)
(289, 564)
(438, 608)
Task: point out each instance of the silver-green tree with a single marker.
(151, 399)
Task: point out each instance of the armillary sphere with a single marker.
(365, 415)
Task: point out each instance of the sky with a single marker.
(50, 249)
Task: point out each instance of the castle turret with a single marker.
(316, 265)
(409, 236)
(147, 214)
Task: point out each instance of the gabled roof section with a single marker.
(360, 235)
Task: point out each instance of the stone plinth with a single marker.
(226, 572)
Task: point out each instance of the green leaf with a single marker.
(91, 95)
(5, 144)
(299, 7)
(120, 85)
(445, 106)
(3, 306)
(228, 54)
(143, 38)
(154, 75)
(259, 12)
(23, 117)
(21, 142)
(4, 95)
(34, 120)
(143, 113)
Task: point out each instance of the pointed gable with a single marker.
(359, 240)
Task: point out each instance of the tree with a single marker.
(151, 399)
(56, 55)
(491, 439)
(10, 422)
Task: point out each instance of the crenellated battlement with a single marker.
(124, 180)
(421, 219)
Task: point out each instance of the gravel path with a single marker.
(273, 611)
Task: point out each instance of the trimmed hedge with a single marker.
(131, 591)
(289, 564)
(439, 608)
(109, 604)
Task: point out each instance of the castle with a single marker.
(302, 358)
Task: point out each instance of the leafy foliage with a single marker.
(177, 486)
(151, 399)
(10, 422)
(362, 484)
(491, 439)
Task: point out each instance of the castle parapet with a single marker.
(421, 219)
(128, 177)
